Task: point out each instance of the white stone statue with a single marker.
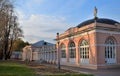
(95, 12)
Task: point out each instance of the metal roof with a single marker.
(99, 20)
(41, 43)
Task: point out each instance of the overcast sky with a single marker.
(42, 19)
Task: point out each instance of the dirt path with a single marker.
(42, 69)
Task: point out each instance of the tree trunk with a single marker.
(1, 55)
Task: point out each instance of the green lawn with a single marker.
(11, 68)
(14, 69)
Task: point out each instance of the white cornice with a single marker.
(91, 31)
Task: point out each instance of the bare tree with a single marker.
(9, 28)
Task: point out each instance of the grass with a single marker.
(14, 69)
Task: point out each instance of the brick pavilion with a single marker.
(93, 44)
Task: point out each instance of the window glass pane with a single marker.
(109, 48)
(63, 53)
(72, 50)
(84, 49)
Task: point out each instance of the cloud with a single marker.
(38, 26)
(41, 27)
(20, 14)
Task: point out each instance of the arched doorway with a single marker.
(72, 52)
(84, 52)
(110, 51)
(63, 53)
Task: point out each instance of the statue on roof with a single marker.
(95, 13)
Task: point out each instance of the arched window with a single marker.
(109, 51)
(84, 52)
(72, 50)
(63, 52)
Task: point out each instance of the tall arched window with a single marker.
(84, 52)
(110, 51)
(72, 50)
(63, 52)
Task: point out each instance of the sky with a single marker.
(42, 19)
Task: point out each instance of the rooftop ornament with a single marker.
(95, 13)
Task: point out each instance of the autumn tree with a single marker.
(19, 44)
(9, 28)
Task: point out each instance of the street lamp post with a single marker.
(58, 51)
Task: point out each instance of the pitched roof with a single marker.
(41, 43)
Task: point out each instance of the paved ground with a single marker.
(105, 72)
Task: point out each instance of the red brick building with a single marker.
(93, 44)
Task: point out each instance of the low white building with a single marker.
(41, 50)
(16, 55)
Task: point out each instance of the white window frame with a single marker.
(63, 51)
(72, 50)
(84, 52)
(110, 51)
